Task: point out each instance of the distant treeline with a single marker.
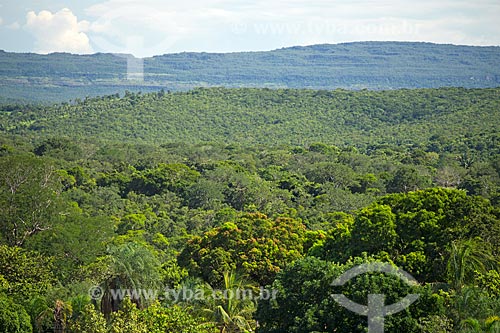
(370, 65)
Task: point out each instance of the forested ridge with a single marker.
(270, 117)
(264, 190)
(360, 65)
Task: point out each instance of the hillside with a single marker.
(371, 65)
(135, 202)
(251, 116)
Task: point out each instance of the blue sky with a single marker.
(152, 27)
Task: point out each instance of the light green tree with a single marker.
(90, 321)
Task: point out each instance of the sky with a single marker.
(153, 27)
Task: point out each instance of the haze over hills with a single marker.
(360, 65)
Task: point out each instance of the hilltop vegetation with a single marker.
(446, 118)
(214, 191)
(370, 65)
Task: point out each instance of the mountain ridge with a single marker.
(312, 46)
(355, 65)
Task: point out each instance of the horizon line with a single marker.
(251, 51)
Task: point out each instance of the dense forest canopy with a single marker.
(165, 196)
(446, 118)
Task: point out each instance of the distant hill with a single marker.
(370, 65)
(446, 118)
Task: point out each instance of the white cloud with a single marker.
(151, 27)
(1, 21)
(14, 26)
(58, 32)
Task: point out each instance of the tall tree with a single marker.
(29, 190)
(231, 308)
(134, 272)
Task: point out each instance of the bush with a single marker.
(13, 317)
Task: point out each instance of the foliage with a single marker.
(469, 259)
(173, 319)
(273, 117)
(415, 230)
(28, 197)
(304, 303)
(90, 321)
(133, 268)
(436, 324)
(254, 244)
(474, 310)
(231, 308)
(13, 317)
(129, 319)
(25, 272)
(289, 187)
